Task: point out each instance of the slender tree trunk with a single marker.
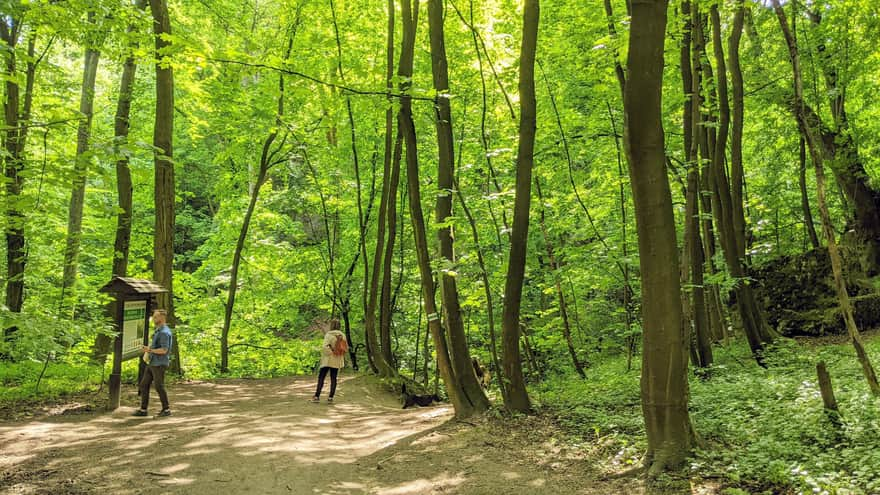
(693, 240)
(487, 287)
(461, 358)
(17, 113)
(385, 301)
(517, 396)
(463, 408)
(393, 150)
(268, 158)
(484, 133)
(121, 127)
(163, 235)
(664, 360)
(805, 199)
(557, 279)
(380, 352)
(80, 170)
(736, 132)
(703, 125)
(811, 135)
(754, 326)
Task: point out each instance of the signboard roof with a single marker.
(128, 285)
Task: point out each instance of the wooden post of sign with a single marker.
(116, 374)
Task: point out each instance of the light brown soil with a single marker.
(263, 437)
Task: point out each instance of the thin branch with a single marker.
(324, 83)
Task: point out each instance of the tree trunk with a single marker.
(811, 135)
(517, 396)
(80, 170)
(754, 325)
(827, 391)
(487, 287)
(463, 408)
(461, 358)
(393, 150)
(268, 158)
(557, 279)
(736, 132)
(163, 196)
(121, 127)
(17, 113)
(379, 352)
(805, 199)
(664, 361)
(385, 302)
(693, 240)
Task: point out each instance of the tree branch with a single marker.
(321, 82)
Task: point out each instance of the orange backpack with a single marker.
(341, 346)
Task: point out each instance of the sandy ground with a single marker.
(264, 437)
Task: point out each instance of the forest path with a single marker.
(264, 437)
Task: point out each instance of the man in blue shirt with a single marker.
(157, 356)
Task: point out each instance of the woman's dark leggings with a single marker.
(323, 374)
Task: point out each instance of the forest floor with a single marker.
(264, 437)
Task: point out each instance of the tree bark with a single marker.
(517, 396)
(805, 199)
(827, 391)
(17, 113)
(664, 360)
(754, 325)
(693, 240)
(461, 358)
(385, 301)
(80, 169)
(736, 131)
(163, 196)
(380, 352)
(463, 409)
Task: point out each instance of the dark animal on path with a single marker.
(410, 400)
(482, 373)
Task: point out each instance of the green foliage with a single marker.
(18, 381)
(764, 429)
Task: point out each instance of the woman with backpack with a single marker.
(332, 359)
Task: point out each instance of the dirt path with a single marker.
(263, 437)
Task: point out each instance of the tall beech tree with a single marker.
(82, 159)
(752, 319)
(163, 187)
(17, 114)
(517, 396)
(463, 407)
(380, 351)
(461, 358)
(693, 244)
(664, 360)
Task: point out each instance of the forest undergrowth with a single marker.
(762, 430)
